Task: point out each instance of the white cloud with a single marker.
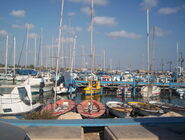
(108, 21)
(18, 13)
(96, 2)
(168, 11)
(71, 14)
(32, 35)
(160, 32)
(16, 26)
(3, 33)
(123, 34)
(149, 3)
(86, 10)
(29, 25)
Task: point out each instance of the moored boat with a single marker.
(59, 107)
(119, 109)
(93, 88)
(150, 91)
(91, 109)
(169, 107)
(18, 101)
(146, 109)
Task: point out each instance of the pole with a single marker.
(148, 48)
(35, 60)
(59, 43)
(27, 33)
(6, 59)
(14, 44)
(177, 57)
(41, 45)
(92, 14)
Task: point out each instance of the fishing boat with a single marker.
(59, 107)
(18, 101)
(168, 107)
(92, 89)
(145, 109)
(119, 109)
(91, 109)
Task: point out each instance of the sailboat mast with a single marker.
(72, 58)
(91, 55)
(177, 56)
(41, 45)
(148, 49)
(14, 44)
(148, 41)
(59, 44)
(92, 28)
(35, 55)
(6, 58)
(27, 33)
(104, 60)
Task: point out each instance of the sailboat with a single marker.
(144, 108)
(63, 105)
(91, 108)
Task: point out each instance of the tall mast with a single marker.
(14, 44)
(59, 44)
(73, 56)
(177, 56)
(104, 60)
(52, 53)
(41, 45)
(27, 33)
(92, 28)
(35, 54)
(6, 58)
(148, 49)
(148, 41)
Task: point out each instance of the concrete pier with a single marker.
(54, 133)
(145, 132)
(160, 128)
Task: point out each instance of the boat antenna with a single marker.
(59, 44)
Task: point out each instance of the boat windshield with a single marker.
(24, 95)
(5, 90)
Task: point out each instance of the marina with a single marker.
(95, 70)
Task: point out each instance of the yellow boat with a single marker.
(93, 88)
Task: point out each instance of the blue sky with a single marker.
(119, 30)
